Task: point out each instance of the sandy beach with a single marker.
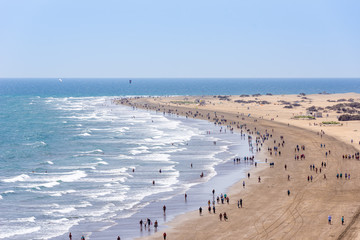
(292, 202)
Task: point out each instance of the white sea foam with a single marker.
(77, 167)
(50, 180)
(62, 210)
(50, 162)
(20, 178)
(156, 157)
(84, 204)
(139, 150)
(38, 185)
(98, 193)
(116, 171)
(105, 180)
(59, 220)
(21, 220)
(56, 227)
(97, 151)
(58, 193)
(13, 231)
(103, 163)
(89, 153)
(84, 134)
(122, 156)
(100, 212)
(9, 191)
(72, 176)
(107, 227)
(36, 144)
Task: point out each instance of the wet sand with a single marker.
(268, 211)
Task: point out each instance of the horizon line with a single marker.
(180, 77)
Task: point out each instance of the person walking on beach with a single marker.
(225, 216)
(241, 202)
(220, 216)
(342, 220)
(259, 179)
(118, 238)
(243, 184)
(82, 237)
(288, 192)
(329, 219)
(164, 235)
(164, 209)
(200, 211)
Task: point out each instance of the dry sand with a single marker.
(268, 212)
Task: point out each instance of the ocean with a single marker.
(71, 160)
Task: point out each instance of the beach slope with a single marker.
(295, 198)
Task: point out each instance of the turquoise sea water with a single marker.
(67, 153)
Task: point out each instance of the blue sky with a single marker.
(171, 38)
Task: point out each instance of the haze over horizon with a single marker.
(176, 39)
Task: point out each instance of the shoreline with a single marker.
(292, 217)
(226, 174)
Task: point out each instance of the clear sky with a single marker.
(179, 38)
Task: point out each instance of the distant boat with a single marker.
(60, 80)
(130, 81)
